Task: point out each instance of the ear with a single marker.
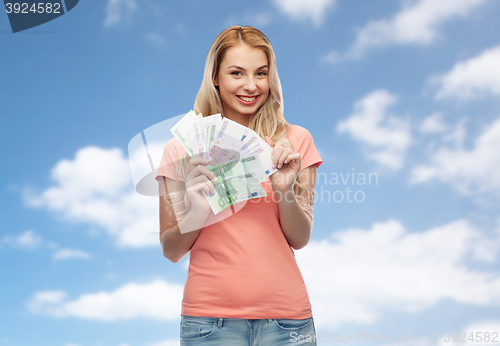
(216, 83)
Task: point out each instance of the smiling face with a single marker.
(243, 82)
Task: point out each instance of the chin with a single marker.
(253, 110)
(248, 111)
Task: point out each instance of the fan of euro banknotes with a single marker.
(238, 156)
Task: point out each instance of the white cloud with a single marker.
(457, 136)
(170, 342)
(384, 137)
(474, 78)
(352, 277)
(157, 39)
(118, 11)
(416, 24)
(478, 329)
(156, 300)
(65, 254)
(28, 240)
(473, 171)
(356, 274)
(313, 10)
(433, 124)
(45, 298)
(96, 187)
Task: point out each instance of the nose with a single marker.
(250, 85)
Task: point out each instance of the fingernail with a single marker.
(211, 195)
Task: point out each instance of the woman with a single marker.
(244, 286)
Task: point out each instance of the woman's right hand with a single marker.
(199, 179)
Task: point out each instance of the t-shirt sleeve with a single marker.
(303, 143)
(172, 153)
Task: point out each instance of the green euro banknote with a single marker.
(251, 163)
(230, 190)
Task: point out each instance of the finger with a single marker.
(278, 144)
(193, 163)
(291, 157)
(276, 154)
(269, 141)
(201, 170)
(283, 157)
(199, 161)
(210, 187)
(206, 172)
(197, 180)
(198, 188)
(201, 183)
(277, 150)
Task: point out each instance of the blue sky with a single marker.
(407, 91)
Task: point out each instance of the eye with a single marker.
(261, 74)
(236, 73)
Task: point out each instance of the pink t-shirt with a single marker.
(243, 266)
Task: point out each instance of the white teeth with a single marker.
(248, 99)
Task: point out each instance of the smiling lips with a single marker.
(247, 100)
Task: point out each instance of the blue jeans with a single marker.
(216, 331)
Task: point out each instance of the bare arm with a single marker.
(174, 244)
(174, 217)
(295, 222)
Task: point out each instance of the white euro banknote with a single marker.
(182, 131)
(237, 155)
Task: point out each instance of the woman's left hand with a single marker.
(288, 164)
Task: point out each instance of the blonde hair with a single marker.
(269, 119)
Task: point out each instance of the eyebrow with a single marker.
(241, 68)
